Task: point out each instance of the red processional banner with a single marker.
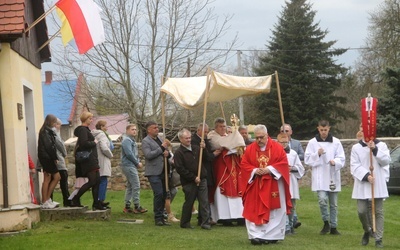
(368, 116)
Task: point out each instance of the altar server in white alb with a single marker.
(325, 155)
(296, 171)
(360, 169)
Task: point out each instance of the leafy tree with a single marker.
(145, 40)
(388, 105)
(308, 73)
(381, 46)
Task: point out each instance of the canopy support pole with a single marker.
(168, 199)
(204, 120)
(278, 88)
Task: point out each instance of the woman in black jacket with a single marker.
(90, 167)
(47, 154)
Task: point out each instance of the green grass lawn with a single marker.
(89, 234)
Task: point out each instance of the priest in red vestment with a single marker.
(266, 199)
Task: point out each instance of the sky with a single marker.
(253, 20)
(346, 21)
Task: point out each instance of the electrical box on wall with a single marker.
(20, 112)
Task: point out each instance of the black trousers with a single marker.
(64, 186)
(192, 191)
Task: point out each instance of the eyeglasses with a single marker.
(260, 137)
(286, 131)
(283, 142)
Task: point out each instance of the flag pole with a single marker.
(40, 18)
(278, 89)
(371, 166)
(204, 120)
(48, 41)
(168, 199)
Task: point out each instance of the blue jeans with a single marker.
(103, 188)
(323, 198)
(290, 218)
(157, 184)
(132, 185)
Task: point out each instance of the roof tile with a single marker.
(12, 14)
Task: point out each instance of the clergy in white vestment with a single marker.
(363, 179)
(325, 155)
(296, 171)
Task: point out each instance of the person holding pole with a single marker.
(208, 161)
(154, 151)
(369, 165)
(186, 160)
(363, 179)
(325, 155)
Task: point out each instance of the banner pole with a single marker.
(371, 166)
(40, 18)
(48, 41)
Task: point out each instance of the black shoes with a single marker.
(187, 226)
(75, 203)
(98, 206)
(378, 244)
(334, 231)
(206, 226)
(325, 229)
(365, 239)
(227, 223)
(258, 241)
(162, 223)
(297, 224)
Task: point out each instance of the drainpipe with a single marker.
(3, 156)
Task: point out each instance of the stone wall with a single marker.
(347, 179)
(118, 180)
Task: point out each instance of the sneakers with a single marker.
(139, 210)
(195, 211)
(128, 210)
(172, 218)
(48, 205)
(55, 203)
(326, 228)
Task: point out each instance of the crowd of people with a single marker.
(236, 179)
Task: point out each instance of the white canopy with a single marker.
(190, 92)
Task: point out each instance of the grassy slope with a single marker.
(89, 234)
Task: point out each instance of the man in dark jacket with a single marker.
(208, 161)
(187, 162)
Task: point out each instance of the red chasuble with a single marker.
(228, 174)
(262, 195)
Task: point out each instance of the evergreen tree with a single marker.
(308, 74)
(388, 107)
